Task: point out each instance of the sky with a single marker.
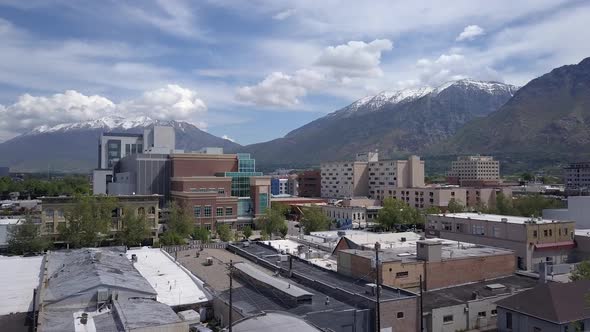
(253, 70)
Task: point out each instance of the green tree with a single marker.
(533, 205)
(25, 238)
(179, 221)
(581, 272)
(169, 238)
(135, 228)
(201, 234)
(247, 231)
(224, 232)
(88, 220)
(395, 213)
(526, 176)
(314, 220)
(432, 210)
(283, 231)
(455, 206)
(503, 205)
(272, 220)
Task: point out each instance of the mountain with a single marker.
(396, 123)
(73, 147)
(547, 121)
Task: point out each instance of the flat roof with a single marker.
(10, 221)
(277, 283)
(320, 257)
(173, 285)
(18, 277)
(460, 294)
(274, 321)
(498, 218)
(450, 250)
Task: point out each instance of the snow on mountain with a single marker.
(105, 123)
(489, 87)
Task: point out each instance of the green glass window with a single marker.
(262, 202)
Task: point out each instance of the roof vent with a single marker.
(504, 220)
(403, 239)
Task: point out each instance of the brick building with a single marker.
(310, 183)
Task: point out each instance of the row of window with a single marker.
(205, 211)
(448, 319)
(220, 191)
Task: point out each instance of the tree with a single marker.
(25, 238)
(272, 220)
(88, 220)
(284, 230)
(533, 205)
(314, 220)
(247, 231)
(455, 206)
(135, 228)
(527, 177)
(432, 210)
(169, 238)
(201, 234)
(224, 232)
(179, 221)
(581, 272)
(396, 213)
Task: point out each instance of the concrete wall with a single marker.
(174, 327)
(202, 164)
(361, 179)
(523, 323)
(389, 272)
(408, 308)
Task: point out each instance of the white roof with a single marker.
(18, 277)
(10, 221)
(173, 283)
(497, 218)
(582, 232)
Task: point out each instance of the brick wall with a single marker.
(409, 309)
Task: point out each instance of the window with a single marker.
(229, 211)
(219, 212)
(49, 212)
(221, 191)
(494, 312)
(508, 320)
(447, 319)
(207, 211)
(481, 314)
(545, 233)
(535, 234)
(60, 213)
(127, 149)
(403, 274)
(478, 230)
(197, 211)
(400, 315)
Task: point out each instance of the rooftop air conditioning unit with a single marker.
(209, 261)
(403, 239)
(371, 289)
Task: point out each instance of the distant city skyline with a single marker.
(252, 71)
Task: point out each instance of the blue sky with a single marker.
(254, 70)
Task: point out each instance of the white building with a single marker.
(578, 210)
(475, 168)
(387, 175)
(347, 178)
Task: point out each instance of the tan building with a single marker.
(388, 175)
(347, 178)
(468, 170)
(423, 198)
(441, 263)
(54, 209)
(534, 240)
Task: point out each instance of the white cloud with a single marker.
(284, 14)
(228, 138)
(170, 102)
(355, 59)
(470, 32)
(172, 16)
(280, 89)
(454, 66)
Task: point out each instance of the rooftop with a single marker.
(274, 321)
(173, 284)
(460, 294)
(18, 277)
(498, 218)
(555, 302)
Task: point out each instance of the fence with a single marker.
(195, 245)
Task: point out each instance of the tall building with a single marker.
(284, 185)
(310, 183)
(347, 178)
(387, 175)
(577, 176)
(473, 170)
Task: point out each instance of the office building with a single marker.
(385, 176)
(534, 240)
(425, 197)
(347, 178)
(577, 176)
(578, 210)
(54, 211)
(142, 174)
(310, 183)
(440, 263)
(474, 170)
(551, 307)
(284, 185)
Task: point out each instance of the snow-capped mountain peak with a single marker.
(106, 123)
(489, 87)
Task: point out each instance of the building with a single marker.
(470, 306)
(270, 321)
(534, 240)
(54, 210)
(99, 289)
(474, 171)
(347, 217)
(6, 226)
(142, 174)
(440, 263)
(551, 307)
(347, 178)
(577, 176)
(284, 185)
(310, 183)
(425, 197)
(386, 176)
(578, 210)
(113, 147)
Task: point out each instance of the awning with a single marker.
(556, 245)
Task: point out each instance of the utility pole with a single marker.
(231, 308)
(378, 282)
(421, 307)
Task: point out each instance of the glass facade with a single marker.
(262, 202)
(246, 163)
(245, 208)
(240, 182)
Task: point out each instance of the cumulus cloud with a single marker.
(470, 32)
(355, 58)
(280, 89)
(284, 14)
(454, 66)
(28, 112)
